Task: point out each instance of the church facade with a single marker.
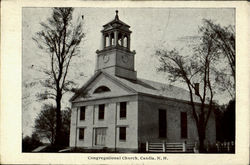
(117, 110)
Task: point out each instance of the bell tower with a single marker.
(116, 57)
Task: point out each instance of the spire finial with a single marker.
(116, 16)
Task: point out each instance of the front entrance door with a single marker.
(100, 135)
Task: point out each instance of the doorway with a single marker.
(100, 136)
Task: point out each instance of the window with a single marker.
(102, 89)
(112, 39)
(101, 111)
(162, 123)
(122, 133)
(107, 41)
(125, 41)
(81, 133)
(123, 110)
(82, 113)
(183, 124)
(120, 39)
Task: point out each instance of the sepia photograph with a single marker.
(128, 80)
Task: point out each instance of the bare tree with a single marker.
(60, 40)
(223, 38)
(198, 68)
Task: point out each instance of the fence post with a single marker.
(184, 146)
(228, 146)
(146, 146)
(163, 146)
(220, 147)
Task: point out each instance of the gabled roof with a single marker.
(144, 87)
(116, 21)
(158, 89)
(113, 78)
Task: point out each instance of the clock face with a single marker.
(105, 58)
(125, 58)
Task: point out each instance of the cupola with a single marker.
(115, 56)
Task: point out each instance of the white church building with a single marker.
(117, 110)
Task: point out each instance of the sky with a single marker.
(151, 28)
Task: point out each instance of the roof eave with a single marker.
(93, 78)
(169, 98)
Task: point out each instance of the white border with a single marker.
(10, 143)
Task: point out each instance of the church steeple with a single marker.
(115, 56)
(116, 33)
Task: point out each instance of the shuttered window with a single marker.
(122, 133)
(82, 113)
(123, 110)
(81, 133)
(183, 124)
(162, 123)
(101, 111)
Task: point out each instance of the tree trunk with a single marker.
(58, 121)
(202, 135)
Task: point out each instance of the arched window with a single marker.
(102, 89)
(125, 42)
(120, 39)
(112, 39)
(107, 41)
